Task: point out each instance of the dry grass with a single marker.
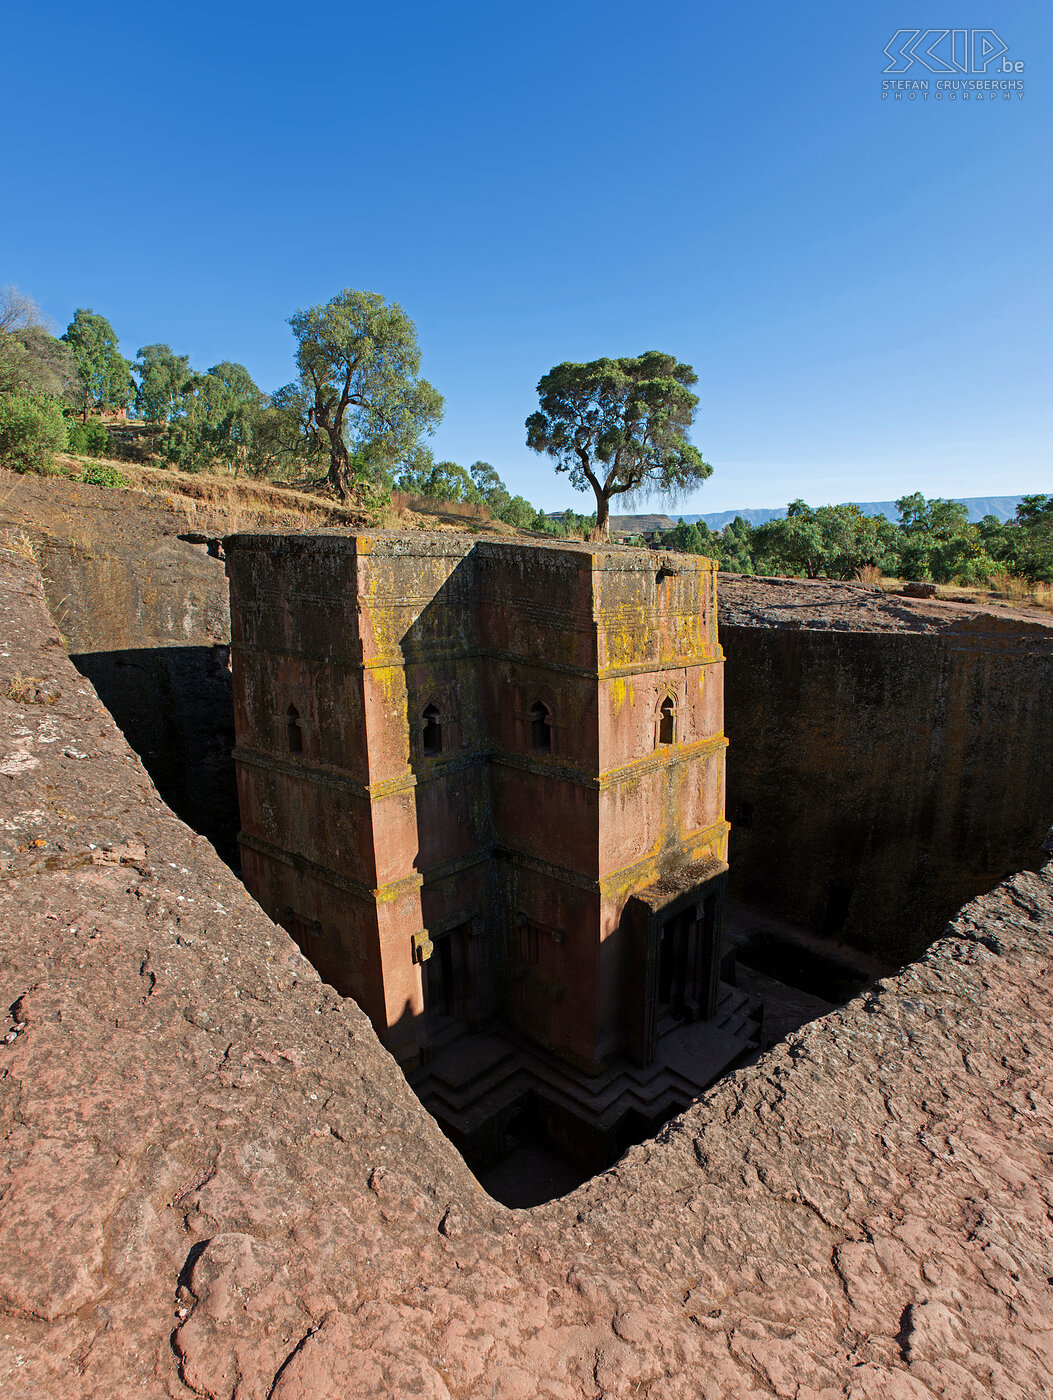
(212, 505)
(428, 505)
(869, 574)
(215, 504)
(408, 512)
(1008, 586)
(31, 690)
(1002, 589)
(20, 544)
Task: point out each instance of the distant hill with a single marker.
(1002, 507)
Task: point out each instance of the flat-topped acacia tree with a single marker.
(620, 426)
(359, 388)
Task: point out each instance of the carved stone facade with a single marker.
(482, 784)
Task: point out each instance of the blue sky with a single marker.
(862, 286)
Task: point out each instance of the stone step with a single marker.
(469, 1060)
(461, 1099)
(478, 1077)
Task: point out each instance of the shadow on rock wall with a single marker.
(174, 705)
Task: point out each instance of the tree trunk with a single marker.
(339, 467)
(601, 530)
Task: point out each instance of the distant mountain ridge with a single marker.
(1002, 507)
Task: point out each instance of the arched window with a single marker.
(540, 727)
(667, 720)
(293, 731)
(431, 736)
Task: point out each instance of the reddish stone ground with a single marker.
(829, 605)
(216, 1183)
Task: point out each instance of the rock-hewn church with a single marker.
(482, 785)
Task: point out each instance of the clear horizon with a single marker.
(863, 286)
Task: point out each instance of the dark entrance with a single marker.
(675, 983)
(446, 979)
(686, 960)
(675, 933)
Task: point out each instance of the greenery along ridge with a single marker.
(933, 539)
(359, 411)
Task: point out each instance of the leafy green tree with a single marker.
(736, 547)
(104, 374)
(359, 366)
(415, 470)
(996, 537)
(518, 512)
(578, 526)
(449, 482)
(421, 475)
(489, 486)
(277, 444)
(32, 430)
(1033, 538)
(694, 538)
(233, 406)
(183, 442)
(162, 376)
(937, 541)
(32, 361)
(792, 545)
(620, 427)
(36, 378)
(831, 542)
(209, 418)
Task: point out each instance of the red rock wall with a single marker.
(891, 775)
(215, 1182)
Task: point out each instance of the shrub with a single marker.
(32, 430)
(977, 571)
(87, 439)
(99, 474)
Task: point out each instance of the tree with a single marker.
(104, 374)
(831, 542)
(620, 426)
(162, 375)
(518, 512)
(234, 404)
(359, 366)
(1033, 538)
(18, 310)
(695, 538)
(415, 470)
(32, 430)
(36, 376)
(489, 486)
(937, 541)
(736, 547)
(32, 361)
(213, 419)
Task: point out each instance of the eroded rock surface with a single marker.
(216, 1183)
(829, 605)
